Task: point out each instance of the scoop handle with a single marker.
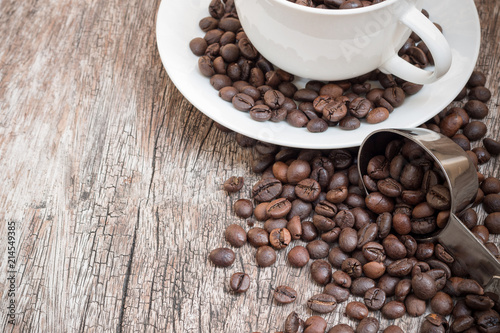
(461, 243)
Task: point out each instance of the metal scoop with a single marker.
(462, 180)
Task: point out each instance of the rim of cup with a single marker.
(335, 12)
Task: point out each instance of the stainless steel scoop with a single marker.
(461, 176)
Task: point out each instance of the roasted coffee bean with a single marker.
(280, 238)
(374, 269)
(243, 208)
(424, 251)
(491, 203)
(490, 185)
(462, 323)
(227, 93)
(442, 304)
(492, 222)
(260, 113)
(265, 256)
(233, 184)
(476, 109)
(305, 95)
(361, 285)
(266, 189)
(402, 290)
(396, 95)
(434, 323)
(309, 231)
(393, 310)
(388, 284)
(240, 282)
(222, 257)
(337, 195)
(356, 310)
(492, 146)
(390, 187)
(374, 298)
(293, 323)
(377, 115)
(308, 190)
(278, 208)
(272, 224)
(348, 239)
(236, 235)
(415, 306)
(400, 268)
(198, 46)
(379, 203)
(479, 302)
(423, 286)
(475, 130)
(245, 141)
(368, 325)
(374, 251)
(482, 154)
(344, 219)
(300, 208)
(342, 279)
(480, 93)
(326, 208)
(341, 294)
(394, 248)
(393, 329)
(322, 303)
(321, 272)
(318, 249)
(298, 256)
(323, 223)
(315, 324)
(401, 224)
(341, 328)
(260, 163)
(442, 255)
(476, 79)
(295, 227)
(367, 234)
(258, 237)
(335, 110)
(297, 171)
(318, 125)
(336, 257)
(284, 294)
(208, 23)
(439, 197)
(487, 321)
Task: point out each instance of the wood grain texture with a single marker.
(114, 180)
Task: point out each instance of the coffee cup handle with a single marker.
(435, 41)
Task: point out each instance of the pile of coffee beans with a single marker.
(408, 184)
(336, 4)
(253, 84)
(366, 250)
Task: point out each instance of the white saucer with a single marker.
(177, 24)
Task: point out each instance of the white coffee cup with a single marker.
(324, 44)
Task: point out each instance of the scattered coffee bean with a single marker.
(285, 294)
(222, 257)
(240, 282)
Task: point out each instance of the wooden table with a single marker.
(111, 181)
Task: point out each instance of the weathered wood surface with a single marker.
(113, 180)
